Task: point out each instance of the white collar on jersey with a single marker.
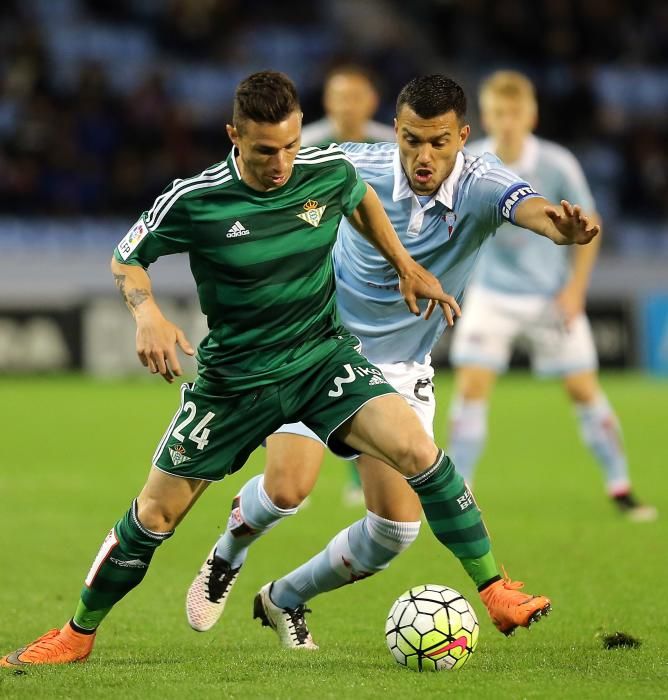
(528, 157)
(237, 172)
(444, 194)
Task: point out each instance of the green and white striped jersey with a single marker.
(261, 261)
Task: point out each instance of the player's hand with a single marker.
(417, 283)
(572, 224)
(157, 339)
(570, 302)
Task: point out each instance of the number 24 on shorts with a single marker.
(200, 433)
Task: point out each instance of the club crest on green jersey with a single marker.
(178, 454)
(312, 212)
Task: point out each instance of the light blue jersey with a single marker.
(445, 236)
(516, 261)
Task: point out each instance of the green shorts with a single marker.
(212, 436)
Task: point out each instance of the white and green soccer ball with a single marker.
(431, 628)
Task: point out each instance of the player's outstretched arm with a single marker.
(157, 337)
(564, 224)
(415, 282)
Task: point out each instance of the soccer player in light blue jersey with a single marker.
(444, 203)
(525, 287)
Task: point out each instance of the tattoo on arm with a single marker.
(134, 297)
(120, 283)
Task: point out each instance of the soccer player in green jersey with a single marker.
(258, 229)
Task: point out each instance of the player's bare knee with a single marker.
(287, 501)
(286, 495)
(474, 384)
(582, 388)
(582, 393)
(155, 515)
(415, 454)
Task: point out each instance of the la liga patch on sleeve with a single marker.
(132, 239)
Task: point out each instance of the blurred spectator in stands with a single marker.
(644, 185)
(350, 99)
(103, 103)
(195, 29)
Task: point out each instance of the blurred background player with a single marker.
(526, 287)
(350, 99)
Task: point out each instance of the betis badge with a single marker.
(312, 212)
(178, 454)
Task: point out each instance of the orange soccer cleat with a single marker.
(509, 608)
(63, 646)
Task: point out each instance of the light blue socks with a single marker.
(360, 550)
(252, 515)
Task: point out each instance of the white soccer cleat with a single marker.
(642, 514)
(636, 512)
(208, 593)
(288, 623)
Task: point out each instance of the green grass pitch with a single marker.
(75, 451)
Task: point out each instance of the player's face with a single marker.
(428, 147)
(350, 100)
(507, 120)
(267, 151)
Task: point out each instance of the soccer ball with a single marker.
(431, 628)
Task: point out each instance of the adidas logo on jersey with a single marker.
(238, 229)
(376, 380)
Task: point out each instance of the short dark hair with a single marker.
(431, 95)
(268, 97)
(356, 69)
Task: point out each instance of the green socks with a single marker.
(455, 518)
(120, 565)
